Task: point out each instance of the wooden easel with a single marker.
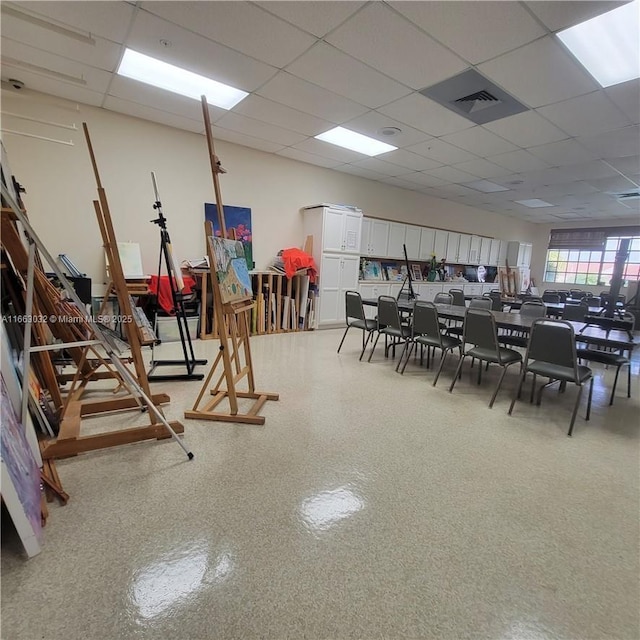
(233, 322)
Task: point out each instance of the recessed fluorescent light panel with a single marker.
(355, 141)
(166, 76)
(486, 186)
(608, 45)
(534, 203)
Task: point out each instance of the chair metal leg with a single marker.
(589, 400)
(629, 379)
(479, 371)
(615, 382)
(364, 347)
(495, 393)
(523, 374)
(442, 359)
(375, 342)
(458, 371)
(413, 344)
(402, 353)
(344, 335)
(533, 388)
(575, 409)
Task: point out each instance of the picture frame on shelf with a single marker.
(416, 271)
(372, 270)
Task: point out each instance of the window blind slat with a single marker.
(578, 239)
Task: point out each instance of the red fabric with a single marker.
(295, 259)
(164, 296)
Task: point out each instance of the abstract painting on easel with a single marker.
(231, 269)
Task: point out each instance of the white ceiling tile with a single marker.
(562, 153)
(426, 115)
(449, 174)
(310, 98)
(626, 96)
(526, 129)
(310, 158)
(519, 160)
(106, 19)
(563, 189)
(275, 113)
(371, 123)
(459, 191)
(628, 166)
(237, 137)
(483, 168)
(22, 57)
(315, 17)
(328, 67)
(149, 113)
(196, 53)
(380, 166)
(386, 41)
(399, 182)
(567, 13)
(145, 94)
(476, 31)
(585, 115)
(409, 160)
(258, 129)
(479, 141)
(358, 171)
(422, 178)
(539, 73)
(613, 185)
(99, 52)
(48, 85)
(586, 171)
(614, 144)
(321, 148)
(441, 151)
(242, 26)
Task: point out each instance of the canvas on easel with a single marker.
(231, 269)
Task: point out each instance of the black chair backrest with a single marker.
(563, 293)
(458, 297)
(577, 294)
(480, 329)
(354, 308)
(480, 303)
(575, 312)
(425, 320)
(496, 299)
(443, 298)
(533, 309)
(553, 341)
(552, 298)
(388, 314)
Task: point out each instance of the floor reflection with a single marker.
(327, 508)
(175, 577)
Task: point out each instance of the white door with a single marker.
(494, 252)
(427, 240)
(379, 238)
(331, 296)
(349, 269)
(485, 251)
(464, 245)
(396, 240)
(332, 231)
(453, 244)
(352, 230)
(365, 233)
(440, 244)
(474, 250)
(412, 240)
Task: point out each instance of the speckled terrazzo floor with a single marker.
(370, 505)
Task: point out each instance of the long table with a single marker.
(614, 338)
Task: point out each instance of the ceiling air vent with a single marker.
(473, 96)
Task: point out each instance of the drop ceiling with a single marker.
(309, 66)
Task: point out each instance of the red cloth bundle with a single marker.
(295, 259)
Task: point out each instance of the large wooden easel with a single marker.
(233, 322)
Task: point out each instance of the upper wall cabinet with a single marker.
(474, 250)
(427, 240)
(396, 240)
(341, 231)
(485, 251)
(375, 237)
(519, 254)
(440, 244)
(453, 244)
(494, 252)
(464, 246)
(412, 241)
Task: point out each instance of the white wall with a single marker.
(61, 187)
(541, 243)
